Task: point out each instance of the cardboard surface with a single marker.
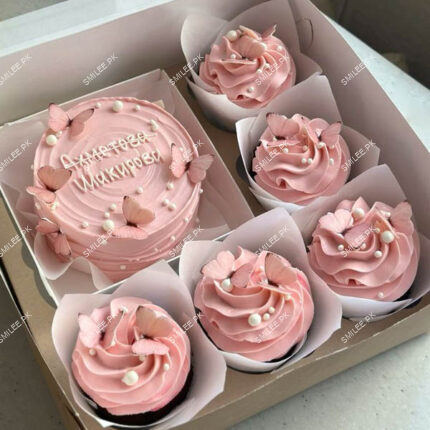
(364, 106)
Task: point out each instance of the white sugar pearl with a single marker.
(98, 105)
(232, 35)
(139, 190)
(320, 145)
(130, 378)
(279, 48)
(377, 254)
(173, 238)
(259, 71)
(107, 215)
(310, 160)
(233, 56)
(172, 206)
(271, 310)
(358, 213)
(380, 295)
(363, 246)
(285, 150)
(165, 202)
(340, 247)
(377, 230)
(266, 66)
(201, 191)
(387, 236)
(263, 45)
(84, 224)
(117, 106)
(108, 225)
(169, 186)
(304, 161)
(250, 89)
(123, 309)
(166, 367)
(186, 219)
(137, 108)
(305, 148)
(37, 205)
(58, 133)
(266, 317)
(331, 161)
(226, 285)
(254, 320)
(287, 296)
(92, 351)
(123, 267)
(51, 140)
(112, 207)
(104, 243)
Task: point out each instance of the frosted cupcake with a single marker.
(132, 360)
(258, 306)
(364, 252)
(299, 159)
(250, 68)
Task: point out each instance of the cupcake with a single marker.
(370, 253)
(132, 361)
(258, 306)
(299, 159)
(250, 68)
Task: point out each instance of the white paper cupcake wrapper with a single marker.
(313, 99)
(160, 285)
(199, 32)
(253, 235)
(376, 184)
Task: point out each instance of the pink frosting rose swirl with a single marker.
(131, 357)
(365, 252)
(258, 306)
(298, 159)
(251, 69)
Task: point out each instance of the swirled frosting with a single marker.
(256, 306)
(298, 159)
(121, 368)
(366, 252)
(251, 69)
(89, 206)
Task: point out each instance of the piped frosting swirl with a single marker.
(250, 68)
(298, 159)
(366, 252)
(134, 364)
(258, 306)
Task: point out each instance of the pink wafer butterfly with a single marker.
(60, 120)
(151, 326)
(277, 270)
(61, 244)
(196, 168)
(53, 179)
(136, 216)
(283, 127)
(89, 332)
(319, 132)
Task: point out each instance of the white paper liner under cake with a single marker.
(199, 32)
(376, 184)
(252, 236)
(313, 100)
(160, 285)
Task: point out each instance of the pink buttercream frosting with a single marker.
(263, 313)
(100, 361)
(251, 69)
(142, 134)
(366, 252)
(298, 159)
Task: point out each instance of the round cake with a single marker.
(258, 306)
(132, 360)
(250, 68)
(366, 252)
(298, 159)
(116, 180)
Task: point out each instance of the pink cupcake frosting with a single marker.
(364, 252)
(258, 306)
(127, 359)
(250, 68)
(298, 159)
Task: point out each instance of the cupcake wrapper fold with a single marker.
(313, 99)
(199, 32)
(253, 235)
(376, 184)
(160, 285)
